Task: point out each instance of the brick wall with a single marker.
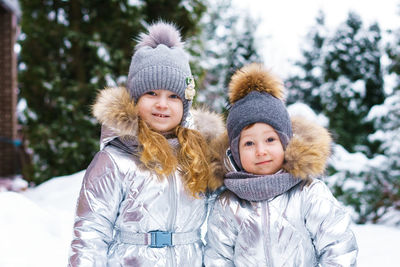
(8, 93)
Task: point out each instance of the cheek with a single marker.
(245, 156)
(280, 155)
(178, 108)
(142, 111)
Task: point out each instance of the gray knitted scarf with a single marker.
(253, 187)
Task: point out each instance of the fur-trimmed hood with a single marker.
(307, 152)
(309, 149)
(117, 112)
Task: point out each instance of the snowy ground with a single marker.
(36, 228)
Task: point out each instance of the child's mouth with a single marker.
(160, 115)
(263, 162)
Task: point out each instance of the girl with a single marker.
(276, 212)
(143, 197)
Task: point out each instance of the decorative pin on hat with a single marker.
(190, 92)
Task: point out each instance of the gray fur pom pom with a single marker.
(160, 33)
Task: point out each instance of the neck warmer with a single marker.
(131, 146)
(253, 187)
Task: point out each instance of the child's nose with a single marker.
(261, 150)
(162, 102)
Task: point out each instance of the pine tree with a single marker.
(385, 195)
(305, 85)
(70, 49)
(229, 44)
(343, 80)
(371, 184)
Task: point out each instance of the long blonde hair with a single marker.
(195, 158)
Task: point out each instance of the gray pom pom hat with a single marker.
(256, 95)
(159, 62)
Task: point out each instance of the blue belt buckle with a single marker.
(160, 239)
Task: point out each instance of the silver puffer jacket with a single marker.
(119, 197)
(303, 227)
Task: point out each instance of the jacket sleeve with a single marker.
(329, 225)
(96, 212)
(220, 237)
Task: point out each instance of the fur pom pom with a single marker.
(115, 109)
(254, 77)
(160, 33)
(308, 151)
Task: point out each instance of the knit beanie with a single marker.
(256, 95)
(159, 62)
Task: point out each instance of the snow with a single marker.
(36, 225)
(303, 110)
(36, 228)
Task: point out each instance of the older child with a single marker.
(275, 213)
(143, 197)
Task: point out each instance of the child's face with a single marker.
(162, 110)
(260, 149)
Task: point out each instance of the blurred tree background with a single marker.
(349, 75)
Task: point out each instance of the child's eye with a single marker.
(270, 139)
(151, 93)
(174, 96)
(248, 143)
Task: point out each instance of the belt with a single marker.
(159, 239)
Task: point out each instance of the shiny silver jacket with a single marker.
(303, 227)
(120, 197)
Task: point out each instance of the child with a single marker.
(276, 213)
(143, 197)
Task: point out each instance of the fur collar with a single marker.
(116, 111)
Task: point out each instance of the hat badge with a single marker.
(190, 92)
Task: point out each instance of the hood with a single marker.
(117, 112)
(306, 154)
(309, 149)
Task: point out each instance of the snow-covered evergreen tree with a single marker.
(304, 85)
(371, 186)
(342, 78)
(229, 43)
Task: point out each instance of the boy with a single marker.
(275, 213)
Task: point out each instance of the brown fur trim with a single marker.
(218, 147)
(209, 124)
(308, 151)
(115, 109)
(254, 77)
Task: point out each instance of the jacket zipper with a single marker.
(265, 232)
(173, 200)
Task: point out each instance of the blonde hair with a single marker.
(156, 152)
(195, 159)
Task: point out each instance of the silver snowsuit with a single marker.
(120, 198)
(303, 227)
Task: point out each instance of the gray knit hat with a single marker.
(256, 96)
(159, 62)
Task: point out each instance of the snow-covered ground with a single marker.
(36, 228)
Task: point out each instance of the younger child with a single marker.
(143, 197)
(276, 212)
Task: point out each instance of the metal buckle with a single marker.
(160, 239)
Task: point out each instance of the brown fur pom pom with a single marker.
(254, 77)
